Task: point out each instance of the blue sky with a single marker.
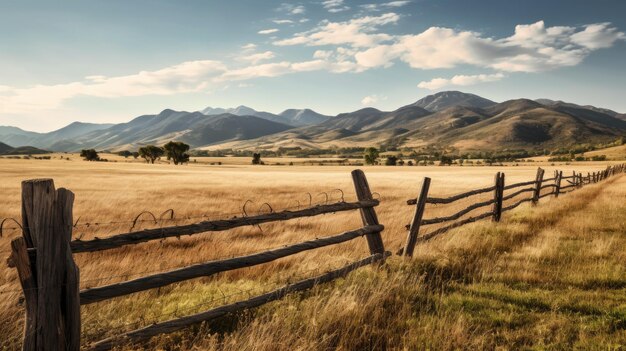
(109, 61)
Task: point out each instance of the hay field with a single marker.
(494, 258)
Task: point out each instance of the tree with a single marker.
(125, 153)
(371, 156)
(256, 159)
(445, 160)
(151, 153)
(135, 155)
(177, 152)
(391, 161)
(89, 155)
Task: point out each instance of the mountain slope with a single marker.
(445, 99)
(303, 117)
(4, 148)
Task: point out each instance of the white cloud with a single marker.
(191, 76)
(283, 21)
(291, 9)
(598, 36)
(532, 48)
(356, 32)
(335, 6)
(385, 5)
(257, 57)
(268, 31)
(372, 99)
(460, 80)
(248, 47)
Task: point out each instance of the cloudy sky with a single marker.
(109, 61)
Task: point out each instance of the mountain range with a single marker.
(446, 119)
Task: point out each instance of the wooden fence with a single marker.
(43, 257)
(534, 187)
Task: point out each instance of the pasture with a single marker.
(557, 267)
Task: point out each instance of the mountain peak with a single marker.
(442, 100)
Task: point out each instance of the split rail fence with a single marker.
(43, 257)
(496, 202)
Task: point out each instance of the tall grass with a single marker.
(546, 277)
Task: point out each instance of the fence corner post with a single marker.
(414, 228)
(498, 193)
(537, 190)
(47, 216)
(368, 214)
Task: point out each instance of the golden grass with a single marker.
(464, 290)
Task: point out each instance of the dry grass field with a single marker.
(548, 277)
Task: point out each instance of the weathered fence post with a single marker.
(47, 222)
(557, 183)
(414, 228)
(537, 190)
(368, 215)
(498, 193)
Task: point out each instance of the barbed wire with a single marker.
(171, 219)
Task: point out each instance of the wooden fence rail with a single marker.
(43, 257)
(538, 185)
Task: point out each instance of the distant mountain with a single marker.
(445, 120)
(513, 124)
(4, 148)
(18, 137)
(22, 150)
(293, 117)
(445, 99)
(246, 111)
(303, 117)
(193, 128)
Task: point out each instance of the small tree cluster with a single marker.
(177, 152)
(371, 156)
(89, 155)
(256, 159)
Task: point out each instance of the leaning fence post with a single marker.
(414, 228)
(557, 183)
(368, 215)
(538, 181)
(498, 192)
(47, 215)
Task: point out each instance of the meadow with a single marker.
(551, 276)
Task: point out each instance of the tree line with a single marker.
(176, 151)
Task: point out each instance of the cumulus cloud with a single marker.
(532, 48)
(356, 32)
(268, 31)
(460, 80)
(372, 99)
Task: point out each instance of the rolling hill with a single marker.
(292, 117)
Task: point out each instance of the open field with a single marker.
(552, 277)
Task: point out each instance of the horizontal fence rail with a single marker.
(92, 295)
(536, 187)
(212, 226)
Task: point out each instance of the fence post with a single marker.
(21, 261)
(47, 216)
(557, 183)
(368, 215)
(538, 181)
(414, 228)
(497, 197)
